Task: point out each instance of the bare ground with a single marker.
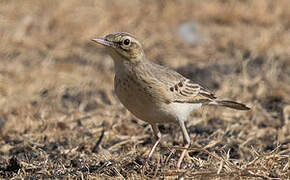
(60, 118)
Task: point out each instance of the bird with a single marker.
(153, 93)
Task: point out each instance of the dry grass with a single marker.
(59, 116)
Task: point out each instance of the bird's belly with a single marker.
(183, 110)
(143, 107)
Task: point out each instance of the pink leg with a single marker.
(157, 134)
(186, 140)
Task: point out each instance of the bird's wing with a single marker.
(186, 91)
(177, 88)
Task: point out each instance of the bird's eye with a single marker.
(126, 42)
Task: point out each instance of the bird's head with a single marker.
(122, 47)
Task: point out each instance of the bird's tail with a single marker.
(230, 104)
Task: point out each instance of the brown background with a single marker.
(59, 116)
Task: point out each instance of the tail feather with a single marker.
(231, 104)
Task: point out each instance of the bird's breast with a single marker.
(138, 97)
(132, 94)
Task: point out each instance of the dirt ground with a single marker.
(60, 118)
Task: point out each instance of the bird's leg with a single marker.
(186, 140)
(157, 135)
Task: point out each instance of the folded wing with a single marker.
(186, 91)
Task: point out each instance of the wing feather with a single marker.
(180, 89)
(186, 91)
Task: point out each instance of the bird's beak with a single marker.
(103, 42)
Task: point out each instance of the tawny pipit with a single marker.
(154, 93)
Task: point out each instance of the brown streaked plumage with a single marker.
(154, 93)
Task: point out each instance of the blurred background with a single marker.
(59, 116)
